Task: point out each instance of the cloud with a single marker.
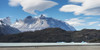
(14, 2)
(80, 21)
(75, 21)
(92, 23)
(88, 7)
(71, 8)
(31, 6)
(98, 24)
(88, 17)
(80, 1)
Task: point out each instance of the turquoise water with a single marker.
(45, 44)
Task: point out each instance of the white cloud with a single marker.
(88, 17)
(75, 21)
(88, 7)
(92, 23)
(77, 1)
(80, 21)
(71, 8)
(14, 2)
(98, 24)
(31, 6)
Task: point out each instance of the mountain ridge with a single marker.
(42, 22)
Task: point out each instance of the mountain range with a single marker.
(32, 24)
(44, 29)
(42, 22)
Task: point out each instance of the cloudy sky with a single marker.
(78, 13)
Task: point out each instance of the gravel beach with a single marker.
(53, 48)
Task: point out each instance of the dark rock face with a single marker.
(54, 35)
(29, 17)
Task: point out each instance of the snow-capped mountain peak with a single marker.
(2, 23)
(6, 20)
(29, 17)
(42, 16)
(42, 22)
(7, 29)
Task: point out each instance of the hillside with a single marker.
(46, 35)
(54, 35)
(88, 35)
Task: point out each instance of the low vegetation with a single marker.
(54, 35)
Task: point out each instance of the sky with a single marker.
(80, 14)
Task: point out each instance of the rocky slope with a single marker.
(6, 29)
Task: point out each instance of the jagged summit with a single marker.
(42, 16)
(2, 23)
(29, 17)
(8, 17)
(6, 20)
(42, 22)
(16, 20)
